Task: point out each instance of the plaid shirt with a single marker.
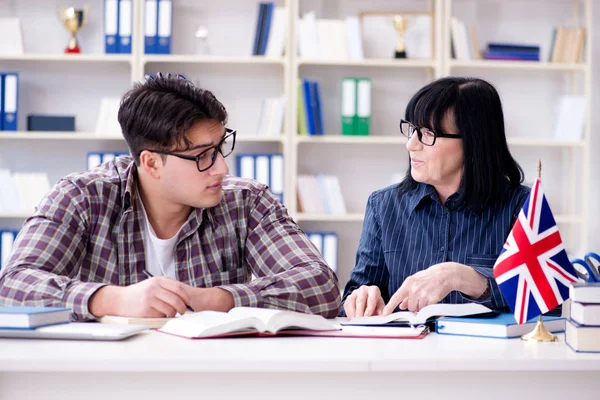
(87, 233)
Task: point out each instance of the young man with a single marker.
(168, 230)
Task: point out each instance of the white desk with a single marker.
(158, 366)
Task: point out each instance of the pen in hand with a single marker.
(149, 275)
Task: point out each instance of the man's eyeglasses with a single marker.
(425, 135)
(207, 158)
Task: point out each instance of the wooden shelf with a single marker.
(197, 59)
(26, 135)
(374, 62)
(534, 142)
(343, 139)
(351, 217)
(520, 65)
(72, 58)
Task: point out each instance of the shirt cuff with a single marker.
(244, 295)
(78, 297)
(486, 297)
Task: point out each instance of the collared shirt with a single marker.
(87, 233)
(405, 234)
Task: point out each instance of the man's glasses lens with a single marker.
(207, 158)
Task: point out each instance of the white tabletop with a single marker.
(157, 352)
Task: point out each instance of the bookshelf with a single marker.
(55, 83)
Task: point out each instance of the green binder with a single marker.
(363, 105)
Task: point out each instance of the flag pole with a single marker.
(539, 332)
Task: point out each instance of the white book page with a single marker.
(434, 310)
(211, 323)
(276, 320)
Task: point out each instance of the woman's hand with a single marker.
(364, 302)
(430, 286)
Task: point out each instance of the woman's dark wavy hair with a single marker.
(157, 113)
(488, 165)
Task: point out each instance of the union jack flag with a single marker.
(533, 270)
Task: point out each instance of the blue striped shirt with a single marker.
(404, 234)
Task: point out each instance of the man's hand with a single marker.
(424, 288)
(152, 298)
(364, 302)
(214, 299)
(156, 298)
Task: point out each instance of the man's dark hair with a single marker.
(488, 166)
(157, 113)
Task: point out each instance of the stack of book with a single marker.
(515, 52)
(583, 327)
(310, 115)
(271, 31)
(320, 194)
(567, 45)
(32, 317)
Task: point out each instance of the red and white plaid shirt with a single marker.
(87, 233)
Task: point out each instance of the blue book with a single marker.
(32, 317)
(309, 108)
(266, 28)
(262, 10)
(501, 326)
(512, 46)
(318, 110)
(1, 102)
(581, 338)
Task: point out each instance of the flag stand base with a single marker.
(539, 333)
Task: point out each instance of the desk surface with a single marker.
(157, 352)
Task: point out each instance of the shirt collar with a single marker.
(424, 192)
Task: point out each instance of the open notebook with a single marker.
(244, 321)
(421, 317)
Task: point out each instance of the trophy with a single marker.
(400, 25)
(73, 19)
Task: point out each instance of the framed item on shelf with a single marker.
(397, 34)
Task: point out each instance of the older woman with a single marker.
(435, 236)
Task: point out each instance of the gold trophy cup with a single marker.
(73, 19)
(400, 23)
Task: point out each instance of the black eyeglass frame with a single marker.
(229, 133)
(436, 135)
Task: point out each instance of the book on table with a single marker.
(32, 317)
(244, 321)
(499, 326)
(424, 315)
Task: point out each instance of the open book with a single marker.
(244, 321)
(417, 318)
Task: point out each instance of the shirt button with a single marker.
(442, 248)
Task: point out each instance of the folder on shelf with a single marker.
(93, 160)
(7, 239)
(1, 102)
(150, 26)
(261, 162)
(245, 166)
(363, 106)
(111, 26)
(278, 34)
(10, 85)
(349, 117)
(318, 110)
(165, 22)
(262, 7)
(330, 249)
(125, 26)
(309, 107)
(276, 176)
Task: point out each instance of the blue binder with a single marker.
(111, 26)
(165, 22)
(309, 109)
(150, 26)
(10, 85)
(125, 25)
(1, 102)
(266, 28)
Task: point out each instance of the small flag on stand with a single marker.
(533, 270)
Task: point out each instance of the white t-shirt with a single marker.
(160, 253)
